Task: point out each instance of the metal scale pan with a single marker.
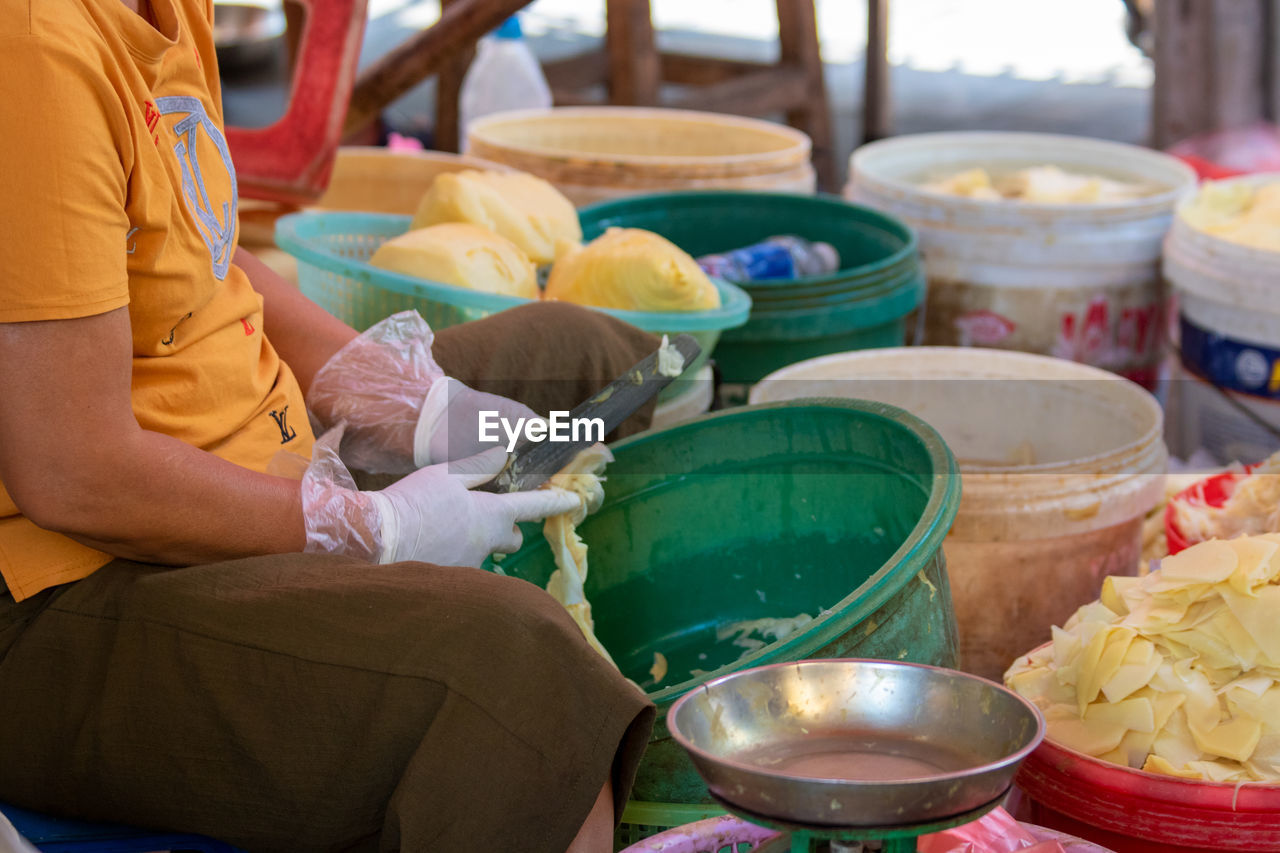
(866, 754)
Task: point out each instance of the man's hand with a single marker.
(432, 514)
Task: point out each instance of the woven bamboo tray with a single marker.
(635, 149)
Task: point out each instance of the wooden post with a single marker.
(634, 68)
(1211, 67)
(1271, 48)
(799, 49)
(295, 18)
(447, 132)
(876, 106)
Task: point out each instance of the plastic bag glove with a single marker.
(376, 386)
(449, 426)
(430, 515)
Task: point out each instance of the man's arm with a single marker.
(75, 460)
(303, 333)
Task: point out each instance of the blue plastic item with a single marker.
(60, 835)
(510, 29)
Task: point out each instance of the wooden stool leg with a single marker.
(634, 69)
(876, 105)
(798, 45)
(447, 134)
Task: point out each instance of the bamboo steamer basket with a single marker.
(592, 153)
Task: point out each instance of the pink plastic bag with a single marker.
(996, 832)
(396, 142)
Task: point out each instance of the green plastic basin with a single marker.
(832, 508)
(865, 304)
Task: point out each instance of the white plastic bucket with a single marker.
(1079, 281)
(689, 402)
(1031, 542)
(1229, 343)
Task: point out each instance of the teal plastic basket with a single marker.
(333, 250)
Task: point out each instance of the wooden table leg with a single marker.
(1210, 61)
(295, 18)
(876, 107)
(799, 48)
(634, 68)
(447, 134)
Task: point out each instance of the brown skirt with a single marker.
(303, 702)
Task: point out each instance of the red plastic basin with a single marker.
(1131, 811)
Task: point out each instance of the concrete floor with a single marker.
(1061, 66)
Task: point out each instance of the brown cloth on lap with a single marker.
(303, 703)
(547, 355)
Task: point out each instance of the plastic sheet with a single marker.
(995, 832)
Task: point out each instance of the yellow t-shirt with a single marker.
(117, 188)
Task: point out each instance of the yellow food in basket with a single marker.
(582, 477)
(1037, 184)
(525, 209)
(462, 255)
(1239, 213)
(1177, 672)
(633, 270)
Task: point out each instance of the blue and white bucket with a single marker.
(1226, 395)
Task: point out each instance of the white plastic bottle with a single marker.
(505, 75)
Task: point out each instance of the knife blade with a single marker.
(532, 463)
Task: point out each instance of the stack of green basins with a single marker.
(865, 304)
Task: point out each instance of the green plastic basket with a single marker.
(333, 249)
(865, 304)
(641, 820)
(833, 508)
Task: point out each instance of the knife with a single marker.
(532, 463)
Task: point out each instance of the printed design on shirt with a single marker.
(152, 117)
(216, 221)
(174, 331)
(248, 327)
(281, 417)
(130, 248)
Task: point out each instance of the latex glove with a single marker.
(430, 515)
(449, 426)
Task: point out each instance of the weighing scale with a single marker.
(855, 756)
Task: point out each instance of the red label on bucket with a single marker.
(983, 328)
(1094, 336)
